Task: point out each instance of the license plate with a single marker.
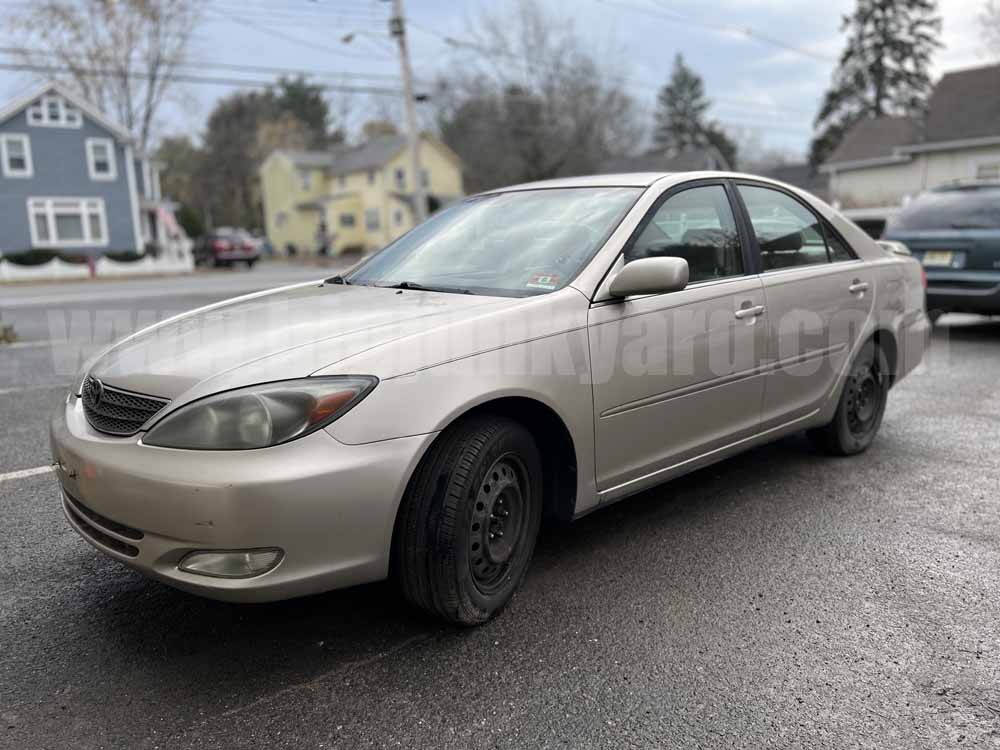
(938, 258)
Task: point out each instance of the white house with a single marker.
(887, 160)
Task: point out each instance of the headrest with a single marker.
(781, 243)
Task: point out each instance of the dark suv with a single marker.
(954, 231)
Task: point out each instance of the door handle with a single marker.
(858, 286)
(749, 312)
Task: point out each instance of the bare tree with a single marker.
(989, 27)
(530, 100)
(122, 55)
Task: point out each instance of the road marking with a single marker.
(24, 388)
(24, 473)
(35, 344)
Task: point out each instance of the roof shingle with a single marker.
(965, 104)
(874, 138)
(346, 159)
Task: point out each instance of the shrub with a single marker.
(38, 256)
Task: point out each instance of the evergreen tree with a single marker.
(681, 107)
(882, 71)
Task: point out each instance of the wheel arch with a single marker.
(555, 443)
(885, 340)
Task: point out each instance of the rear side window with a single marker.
(839, 250)
(788, 233)
(696, 224)
(950, 209)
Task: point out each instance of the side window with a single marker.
(839, 250)
(697, 225)
(789, 234)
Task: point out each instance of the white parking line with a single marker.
(24, 388)
(24, 473)
(35, 344)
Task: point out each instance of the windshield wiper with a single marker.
(416, 286)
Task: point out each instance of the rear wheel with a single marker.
(468, 523)
(862, 404)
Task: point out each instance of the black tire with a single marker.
(250, 262)
(862, 405)
(483, 475)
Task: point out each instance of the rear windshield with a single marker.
(951, 209)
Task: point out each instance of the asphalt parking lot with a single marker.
(779, 599)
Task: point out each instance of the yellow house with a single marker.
(363, 195)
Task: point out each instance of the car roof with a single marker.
(627, 179)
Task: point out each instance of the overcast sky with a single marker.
(755, 85)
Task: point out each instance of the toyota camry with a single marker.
(529, 354)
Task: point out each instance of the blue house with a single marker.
(72, 180)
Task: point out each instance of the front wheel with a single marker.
(469, 520)
(862, 404)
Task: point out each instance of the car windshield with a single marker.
(511, 244)
(950, 209)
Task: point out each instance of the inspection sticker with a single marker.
(543, 281)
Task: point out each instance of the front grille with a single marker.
(115, 411)
(82, 514)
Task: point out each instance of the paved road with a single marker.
(779, 599)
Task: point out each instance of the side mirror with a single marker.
(650, 276)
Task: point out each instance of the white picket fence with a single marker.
(57, 270)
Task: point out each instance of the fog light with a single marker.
(244, 563)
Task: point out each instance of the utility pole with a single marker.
(398, 30)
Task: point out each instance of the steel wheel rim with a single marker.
(499, 521)
(865, 396)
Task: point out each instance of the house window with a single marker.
(65, 222)
(101, 159)
(988, 171)
(15, 154)
(281, 218)
(371, 219)
(347, 220)
(425, 178)
(397, 217)
(306, 177)
(54, 112)
(342, 181)
(401, 178)
(371, 176)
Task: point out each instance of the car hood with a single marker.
(285, 333)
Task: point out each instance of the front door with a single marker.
(818, 297)
(678, 375)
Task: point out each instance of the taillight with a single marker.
(220, 245)
(923, 276)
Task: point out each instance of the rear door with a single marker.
(818, 297)
(678, 375)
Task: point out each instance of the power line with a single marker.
(645, 86)
(289, 37)
(746, 31)
(187, 78)
(237, 67)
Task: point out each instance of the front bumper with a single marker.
(329, 506)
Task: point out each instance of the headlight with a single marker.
(261, 415)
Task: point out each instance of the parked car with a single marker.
(533, 352)
(225, 246)
(955, 232)
(872, 220)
